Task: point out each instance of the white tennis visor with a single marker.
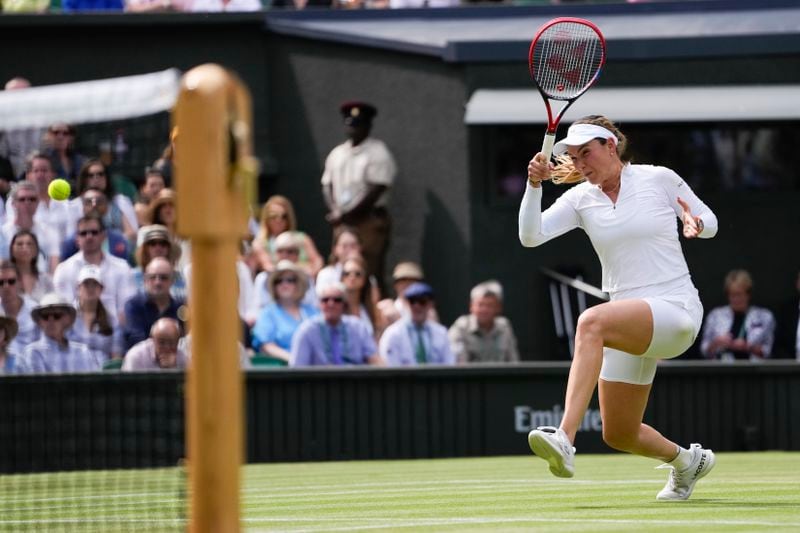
(579, 134)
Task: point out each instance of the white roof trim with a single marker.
(637, 104)
(89, 101)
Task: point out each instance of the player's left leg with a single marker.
(622, 408)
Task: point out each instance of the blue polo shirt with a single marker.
(141, 314)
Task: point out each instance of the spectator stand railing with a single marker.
(568, 300)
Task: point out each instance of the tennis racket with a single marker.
(565, 59)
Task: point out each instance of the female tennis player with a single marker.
(655, 313)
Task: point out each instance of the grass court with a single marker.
(615, 492)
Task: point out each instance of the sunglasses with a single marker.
(97, 200)
(10, 282)
(160, 277)
(55, 315)
(31, 199)
(288, 251)
(356, 273)
(158, 243)
(92, 232)
(418, 301)
(285, 280)
(334, 299)
(101, 174)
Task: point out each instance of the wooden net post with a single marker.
(214, 172)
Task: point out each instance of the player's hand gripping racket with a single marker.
(565, 59)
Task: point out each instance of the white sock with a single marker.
(683, 459)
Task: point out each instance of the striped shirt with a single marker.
(46, 356)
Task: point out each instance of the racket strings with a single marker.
(567, 58)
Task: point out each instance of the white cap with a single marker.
(89, 272)
(579, 134)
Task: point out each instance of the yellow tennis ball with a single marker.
(59, 189)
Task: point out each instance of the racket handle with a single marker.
(547, 145)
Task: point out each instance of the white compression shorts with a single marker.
(676, 322)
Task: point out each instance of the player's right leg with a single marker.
(553, 445)
(625, 325)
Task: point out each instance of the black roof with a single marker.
(699, 28)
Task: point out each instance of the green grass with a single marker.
(745, 492)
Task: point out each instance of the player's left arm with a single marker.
(697, 218)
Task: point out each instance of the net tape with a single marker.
(566, 59)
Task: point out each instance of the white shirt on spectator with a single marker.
(53, 214)
(46, 356)
(28, 330)
(142, 358)
(116, 274)
(214, 6)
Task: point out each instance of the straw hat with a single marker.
(408, 270)
(8, 323)
(285, 266)
(165, 196)
(53, 301)
(155, 232)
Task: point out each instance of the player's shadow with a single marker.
(725, 502)
(698, 502)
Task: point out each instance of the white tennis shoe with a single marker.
(680, 484)
(553, 445)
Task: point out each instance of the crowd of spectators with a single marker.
(100, 280)
(211, 6)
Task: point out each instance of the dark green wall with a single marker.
(421, 105)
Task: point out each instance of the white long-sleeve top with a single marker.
(636, 239)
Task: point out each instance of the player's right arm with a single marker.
(535, 227)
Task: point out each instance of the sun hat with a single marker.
(407, 270)
(155, 232)
(53, 300)
(287, 239)
(165, 196)
(285, 266)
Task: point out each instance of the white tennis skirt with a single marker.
(677, 318)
